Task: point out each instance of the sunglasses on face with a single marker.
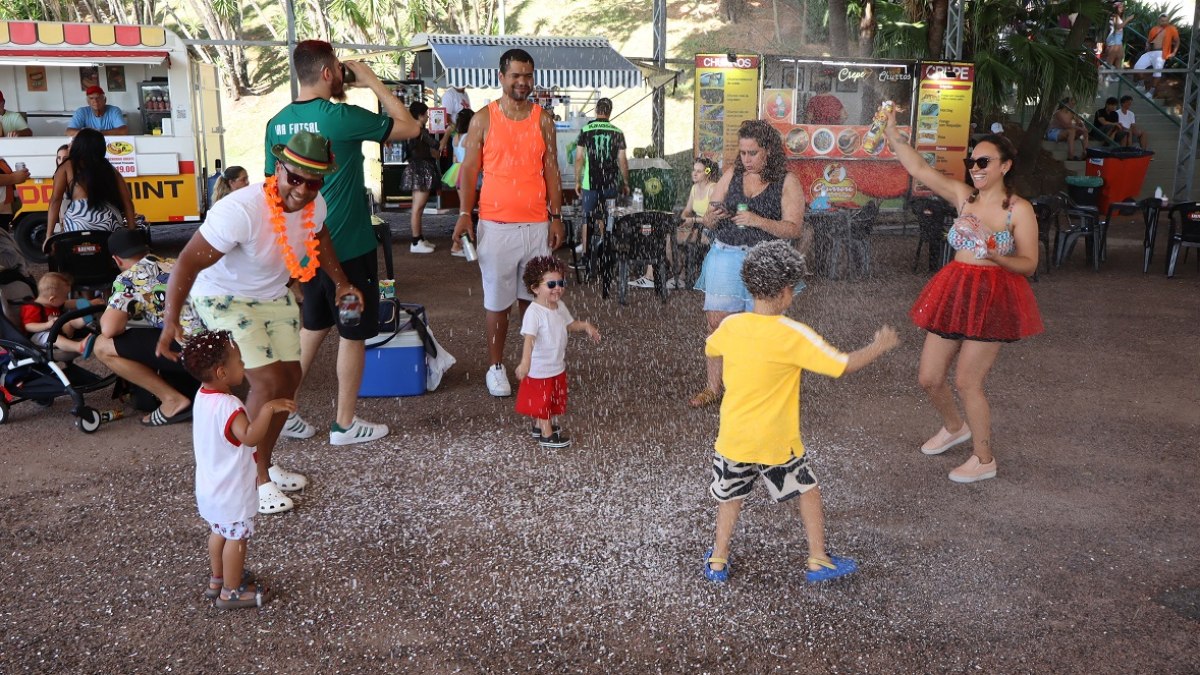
(983, 162)
(296, 180)
(556, 283)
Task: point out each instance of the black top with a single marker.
(421, 148)
(768, 204)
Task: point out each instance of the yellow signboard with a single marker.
(942, 127)
(726, 96)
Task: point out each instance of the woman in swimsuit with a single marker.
(980, 300)
(97, 197)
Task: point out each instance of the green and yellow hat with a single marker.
(307, 151)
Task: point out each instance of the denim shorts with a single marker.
(721, 280)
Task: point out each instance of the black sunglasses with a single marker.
(556, 283)
(983, 162)
(296, 180)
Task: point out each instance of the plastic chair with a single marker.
(934, 216)
(690, 258)
(1186, 216)
(1082, 223)
(854, 243)
(642, 238)
(1048, 211)
(85, 257)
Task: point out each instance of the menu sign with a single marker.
(943, 117)
(121, 152)
(726, 95)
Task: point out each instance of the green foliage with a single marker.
(23, 10)
(897, 36)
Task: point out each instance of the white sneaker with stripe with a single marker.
(296, 427)
(358, 432)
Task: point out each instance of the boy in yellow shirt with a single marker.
(763, 355)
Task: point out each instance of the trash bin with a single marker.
(1123, 171)
(656, 180)
(1085, 190)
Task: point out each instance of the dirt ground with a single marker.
(457, 545)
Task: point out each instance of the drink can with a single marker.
(111, 415)
(349, 310)
(387, 288)
(469, 248)
(742, 208)
(19, 166)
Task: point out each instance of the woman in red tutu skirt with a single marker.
(980, 300)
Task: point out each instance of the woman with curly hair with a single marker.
(980, 300)
(756, 200)
(97, 197)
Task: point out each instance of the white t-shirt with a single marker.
(549, 327)
(240, 227)
(225, 473)
(1127, 119)
(453, 101)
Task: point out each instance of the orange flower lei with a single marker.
(279, 225)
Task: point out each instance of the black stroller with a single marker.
(30, 372)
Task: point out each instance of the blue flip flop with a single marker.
(89, 344)
(718, 576)
(833, 568)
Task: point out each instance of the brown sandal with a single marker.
(705, 398)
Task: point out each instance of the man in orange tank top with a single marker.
(520, 205)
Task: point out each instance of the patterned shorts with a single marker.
(266, 331)
(242, 529)
(733, 480)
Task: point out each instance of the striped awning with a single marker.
(567, 63)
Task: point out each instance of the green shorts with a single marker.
(265, 330)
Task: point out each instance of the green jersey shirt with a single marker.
(346, 126)
(602, 143)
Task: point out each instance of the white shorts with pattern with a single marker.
(242, 529)
(733, 480)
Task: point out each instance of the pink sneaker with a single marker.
(944, 440)
(973, 471)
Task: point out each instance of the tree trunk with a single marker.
(775, 16)
(803, 22)
(866, 30)
(839, 43)
(1031, 144)
(937, 29)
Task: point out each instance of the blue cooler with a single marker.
(395, 368)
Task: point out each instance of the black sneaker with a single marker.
(555, 440)
(536, 431)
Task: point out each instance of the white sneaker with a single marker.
(359, 432)
(288, 481)
(296, 427)
(459, 253)
(642, 282)
(421, 246)
(497, 381)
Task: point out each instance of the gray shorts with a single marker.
(504, 250)
(733, 480)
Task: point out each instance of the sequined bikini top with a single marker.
(968, 233)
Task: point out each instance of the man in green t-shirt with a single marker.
(601, 168)
(349, 218)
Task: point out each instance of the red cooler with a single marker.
(1123, 171)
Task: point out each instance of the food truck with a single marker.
(171, 105)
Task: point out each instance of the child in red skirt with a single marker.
(543, 370)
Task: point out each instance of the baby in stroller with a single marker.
(38, 317)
